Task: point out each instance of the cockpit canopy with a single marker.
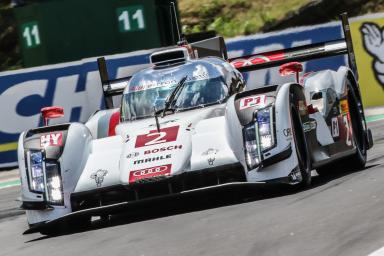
(208, 81)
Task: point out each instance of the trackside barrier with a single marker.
(368, 40)
(76, 86)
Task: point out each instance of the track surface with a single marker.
(339, 215)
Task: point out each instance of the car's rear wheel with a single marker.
(358, 159)
(304, 164)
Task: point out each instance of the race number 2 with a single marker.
(154, 137)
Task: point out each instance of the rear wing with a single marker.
(301, 53)
(110, 87)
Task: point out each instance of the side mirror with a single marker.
(291, 68)
(51, 112)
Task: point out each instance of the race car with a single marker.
(188, 123)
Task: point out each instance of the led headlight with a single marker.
(36, 172)
(44, 177)
(259, 136)
(252, 145)
(264, 119)
(54, 192)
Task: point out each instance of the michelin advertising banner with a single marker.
(368, 41)
(76, 86)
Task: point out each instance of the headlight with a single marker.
(264, 119)
(36, 172)
(44, 177)
(54, 191)
(259, 136)
(252, 145)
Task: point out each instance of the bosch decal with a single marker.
(154, 137)
(258, 100)
(51, 139)
(162, 149)
(163, 170)
(152, 159)
(98, 176)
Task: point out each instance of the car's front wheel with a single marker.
(302, 153)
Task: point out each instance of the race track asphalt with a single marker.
(342, 214)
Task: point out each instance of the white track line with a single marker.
(379, 252)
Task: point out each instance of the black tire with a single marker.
(357, 160)
(301, 149)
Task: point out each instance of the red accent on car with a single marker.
(252, 101)
(168, 134)
(305, 76)
(257, 59)
(51, 112)
(163, 170)
(311, 109)
(51, 139)
(291, 68)
(113, 122)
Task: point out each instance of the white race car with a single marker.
(188, 123)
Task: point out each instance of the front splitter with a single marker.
(125, 206)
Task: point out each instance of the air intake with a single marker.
(169, 57)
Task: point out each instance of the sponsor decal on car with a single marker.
(253, 101)
(346, 119)
(98, 176)
(51, 139)
(344, 108)
(258, 59)
(154, 137)
(287, 132)
(146, 85)
(133, 155)
(152, 159)
(211, 154)
(302, 108)
(309, 126)
(335, 127)
(156, 171)
(162, 149)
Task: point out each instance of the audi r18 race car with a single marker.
(188, 123)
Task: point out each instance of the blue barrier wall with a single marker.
(76, 85)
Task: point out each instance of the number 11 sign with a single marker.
(130, 18)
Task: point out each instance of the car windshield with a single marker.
(140, 102)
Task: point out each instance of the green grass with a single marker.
(233, 17)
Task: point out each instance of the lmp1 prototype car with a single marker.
(188, 123)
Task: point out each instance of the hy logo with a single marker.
(98, 176)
